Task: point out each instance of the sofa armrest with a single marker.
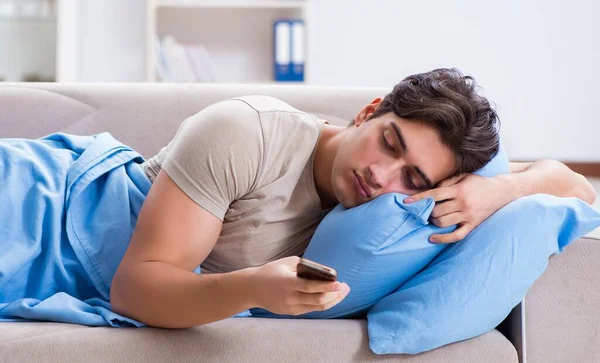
(562, 309)
(513, 329)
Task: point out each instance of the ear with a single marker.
(366, 111)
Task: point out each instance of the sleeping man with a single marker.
(240, 191)
(245, 182)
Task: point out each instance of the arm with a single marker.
(548, 177)
(155, 282)
(174, 233)
(469, 199)
(213, 160)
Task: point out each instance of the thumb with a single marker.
(291, 261)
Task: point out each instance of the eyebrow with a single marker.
(403, 144)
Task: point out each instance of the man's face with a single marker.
(389, 154)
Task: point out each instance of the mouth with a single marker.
(362, 188)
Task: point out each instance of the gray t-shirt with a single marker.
(249, 162)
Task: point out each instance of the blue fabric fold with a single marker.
(69, 207)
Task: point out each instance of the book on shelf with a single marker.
(288, 54)
(201, 62)
(297, 67)
(178, 62)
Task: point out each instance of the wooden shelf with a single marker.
(235, 32)
(270, 4)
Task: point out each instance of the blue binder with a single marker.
(288, 52)
(297, 50)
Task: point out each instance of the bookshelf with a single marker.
(238, 34)
(273, 4)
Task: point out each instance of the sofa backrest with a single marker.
(146, 116)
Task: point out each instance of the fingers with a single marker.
(451, 181)
(322, 301)
(438, 194)
(447, 207)
(455, 236)
(316, 286)
(448, 219)
(306, 302)
(291, 261)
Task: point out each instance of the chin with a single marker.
(346, 199)
(342, 200)
(342, 196)
(347, 205)
(344, 191)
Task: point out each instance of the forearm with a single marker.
(161, 295)
(546, 176)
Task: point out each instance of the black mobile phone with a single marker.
(315, 271)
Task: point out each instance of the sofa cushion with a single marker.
(229, 340)
(563, 310)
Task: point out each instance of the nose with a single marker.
(380, 176)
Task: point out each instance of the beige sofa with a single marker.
(556, 323)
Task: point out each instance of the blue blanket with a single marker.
(69, 205)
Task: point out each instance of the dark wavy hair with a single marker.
(447, 100)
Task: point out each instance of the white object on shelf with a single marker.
(201, 62)
(28, 9)
(177, 61)
(162, 65)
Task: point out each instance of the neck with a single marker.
(327, 147)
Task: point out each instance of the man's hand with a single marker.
(468, 199)
(465, 200)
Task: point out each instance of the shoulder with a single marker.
(248, 111)
(229, 118)
(262, 103)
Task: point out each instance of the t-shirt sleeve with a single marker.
(216, 155)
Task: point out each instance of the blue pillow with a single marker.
(471, 286)
(376, 247)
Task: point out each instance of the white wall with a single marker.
(27, 46)
(538, 60)
(67, 44)
(102, 41)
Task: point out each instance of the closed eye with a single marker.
(408, 181)
(386, 144)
